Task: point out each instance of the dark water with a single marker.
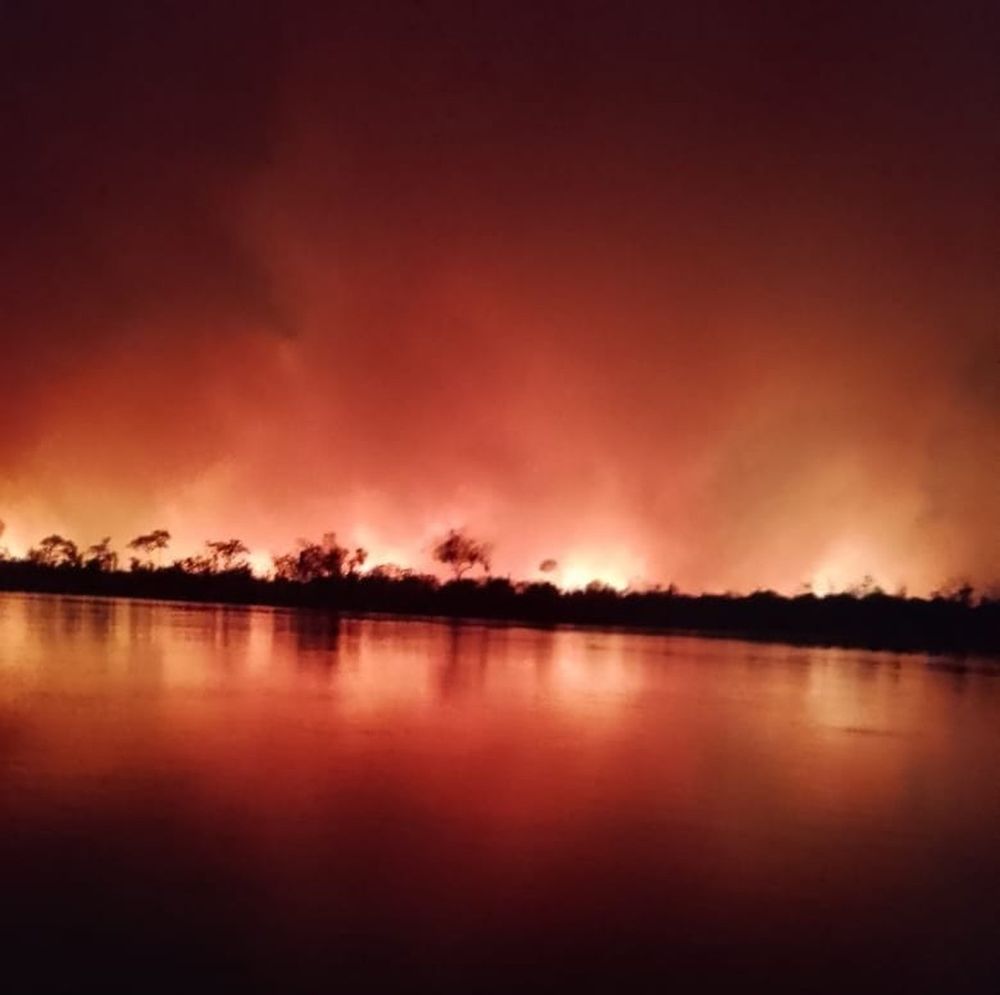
(200, 798)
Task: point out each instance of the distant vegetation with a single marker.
(326, 575)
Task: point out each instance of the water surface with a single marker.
(194, 796)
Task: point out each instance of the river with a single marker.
(200, 796)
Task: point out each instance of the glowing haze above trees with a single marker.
(692, 292)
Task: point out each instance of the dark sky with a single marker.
(705, 293)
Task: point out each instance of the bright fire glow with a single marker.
(846, 566)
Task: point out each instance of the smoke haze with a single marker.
(702, 295)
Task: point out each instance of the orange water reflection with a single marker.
(283, 796)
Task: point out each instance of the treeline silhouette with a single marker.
(326, 575)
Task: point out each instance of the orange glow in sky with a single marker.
(666, 299)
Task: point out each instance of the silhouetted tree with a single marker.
(101, 556)
(461, 552)
(958, 589)
(864, 588)
(196, 564)
(227, 555)
(285, 566)
(964, 594)
(154, 542)
(313, 561)
(357, 560)
(389, 571)
(55, 551)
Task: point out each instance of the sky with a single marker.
(697, 293)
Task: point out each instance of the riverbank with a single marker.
(874, 621)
